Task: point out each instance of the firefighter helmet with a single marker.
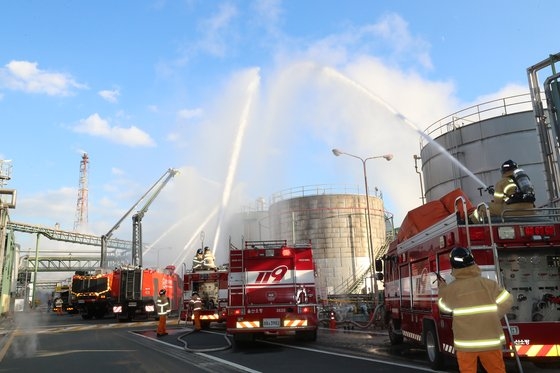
(162, 292)
(461, 257)
(508, 165)
(199, 251)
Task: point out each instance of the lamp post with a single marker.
(388, 157)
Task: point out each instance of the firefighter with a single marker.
(163, 308)
(198, 260)
(514, 191)
(477, 305)
(209, 259)
(196, 306)
(58, 304)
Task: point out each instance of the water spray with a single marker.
(184, 253)
(237, 145)
(336, 74)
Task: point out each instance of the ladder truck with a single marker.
(136, 288)
(128, 292)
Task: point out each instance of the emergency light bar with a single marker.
(539, 230)
(535, 232)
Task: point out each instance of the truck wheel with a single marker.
(435, 356)
(395, 334)
(86, 316)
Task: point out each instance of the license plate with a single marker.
(132, 304)
(271, 323)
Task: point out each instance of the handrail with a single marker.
(479, 112)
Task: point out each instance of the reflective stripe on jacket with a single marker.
(163, 305)
(196, 304)
(477, 305)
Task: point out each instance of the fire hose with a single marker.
(208, 349)
(376, 317)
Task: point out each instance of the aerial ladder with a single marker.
(155, 189)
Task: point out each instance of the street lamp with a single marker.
(388, 157)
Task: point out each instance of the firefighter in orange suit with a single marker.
(477, 305)
(163, 308)
(196, 306)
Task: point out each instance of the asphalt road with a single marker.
(69, 344)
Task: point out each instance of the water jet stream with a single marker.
(183, 256)
(238, 142)
(336, 74)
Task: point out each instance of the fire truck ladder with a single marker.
(237, 265)
(507, 328)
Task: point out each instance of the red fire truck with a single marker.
(91, 293)
(136, 289)
(127, 293)
(212, 287)
(272, 291)
(520, 252)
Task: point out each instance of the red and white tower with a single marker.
(82, 205)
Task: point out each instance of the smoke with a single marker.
(27, 343)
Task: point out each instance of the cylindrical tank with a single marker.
(336, 224)
(481, 146)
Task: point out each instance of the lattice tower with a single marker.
(82, 203)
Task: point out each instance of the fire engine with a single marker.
(136, 290)
(520, 252)
(212, 287)
(128, 292)
(63, 292)
(91, 293)
(272, 291)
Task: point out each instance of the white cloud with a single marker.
(110, 95)
(27, 77)
(268, 15)
(117, 171)
(216, 30)
(96, 126)
(189, 113)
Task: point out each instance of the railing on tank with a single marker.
(315, 190)
(479, 112)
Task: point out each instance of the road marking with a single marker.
(76, 328)
(349, 356)
(6, 346)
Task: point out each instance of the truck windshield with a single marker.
(89, 285)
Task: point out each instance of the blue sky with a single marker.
(246, 98)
